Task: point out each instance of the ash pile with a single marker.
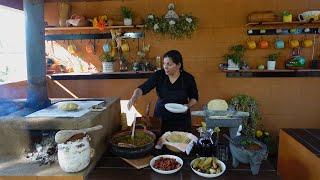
(43, 150)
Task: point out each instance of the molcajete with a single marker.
(241, 153)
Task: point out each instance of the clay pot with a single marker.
(74, 156)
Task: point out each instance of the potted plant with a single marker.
(127, 16)
(235, 57)
(286, 16)
(272, 59)
(107, 62)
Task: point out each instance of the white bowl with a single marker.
(222, 165)
(176, 108)
(179, 160)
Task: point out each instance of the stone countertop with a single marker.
(16, 120)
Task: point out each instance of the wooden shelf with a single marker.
(90, 28)
(272, 73)
(293, 23)
(113, 75)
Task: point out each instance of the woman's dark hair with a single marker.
(175, 56)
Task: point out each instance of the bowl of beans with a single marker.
(166, 164)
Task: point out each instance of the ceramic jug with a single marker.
(294, 43)
(89, 48)
(72, 48)
(106, 47)
(279, 44)
(251, 44)
(125, 46)
(307, 43)
(264, 44)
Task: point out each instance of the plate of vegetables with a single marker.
(208, 167)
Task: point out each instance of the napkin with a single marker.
(181, 146)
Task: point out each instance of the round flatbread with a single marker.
(177, 138)
(217, 105)
(70, 106)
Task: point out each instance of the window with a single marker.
(12, 46)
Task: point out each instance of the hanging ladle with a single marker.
(63, 135)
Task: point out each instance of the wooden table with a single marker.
(112, 167)
(299, 154)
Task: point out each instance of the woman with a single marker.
(173, 85)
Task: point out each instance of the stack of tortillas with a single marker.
(217, 105)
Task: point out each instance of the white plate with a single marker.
(176, 108)
(222, 165)
(179, 160)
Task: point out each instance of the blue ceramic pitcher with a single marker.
(106, 47)
(279, 44)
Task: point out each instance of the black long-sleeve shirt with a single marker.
(159, 79)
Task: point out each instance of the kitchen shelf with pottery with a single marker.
(218, 114)
(88, 32)
(86, 28)
(268, 23)
(284, 24)
(272, 73)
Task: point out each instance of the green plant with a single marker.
(236, 54)
(126, 12)
(179, 28)
(248, 104)
(106, 57)
(286, 13)
(273, 56)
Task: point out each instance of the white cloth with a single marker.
(54, 111)
(181, 146)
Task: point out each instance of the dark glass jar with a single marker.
(206, 147)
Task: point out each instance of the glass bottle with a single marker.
(158, 63)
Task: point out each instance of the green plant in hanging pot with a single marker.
(107, 62)
(172, 24)
(127, 15)
(286, 16)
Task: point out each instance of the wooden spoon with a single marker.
(63, 135)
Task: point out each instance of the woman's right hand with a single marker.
(131, 102)
(137, 93)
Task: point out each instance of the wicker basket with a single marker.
(262, 16)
